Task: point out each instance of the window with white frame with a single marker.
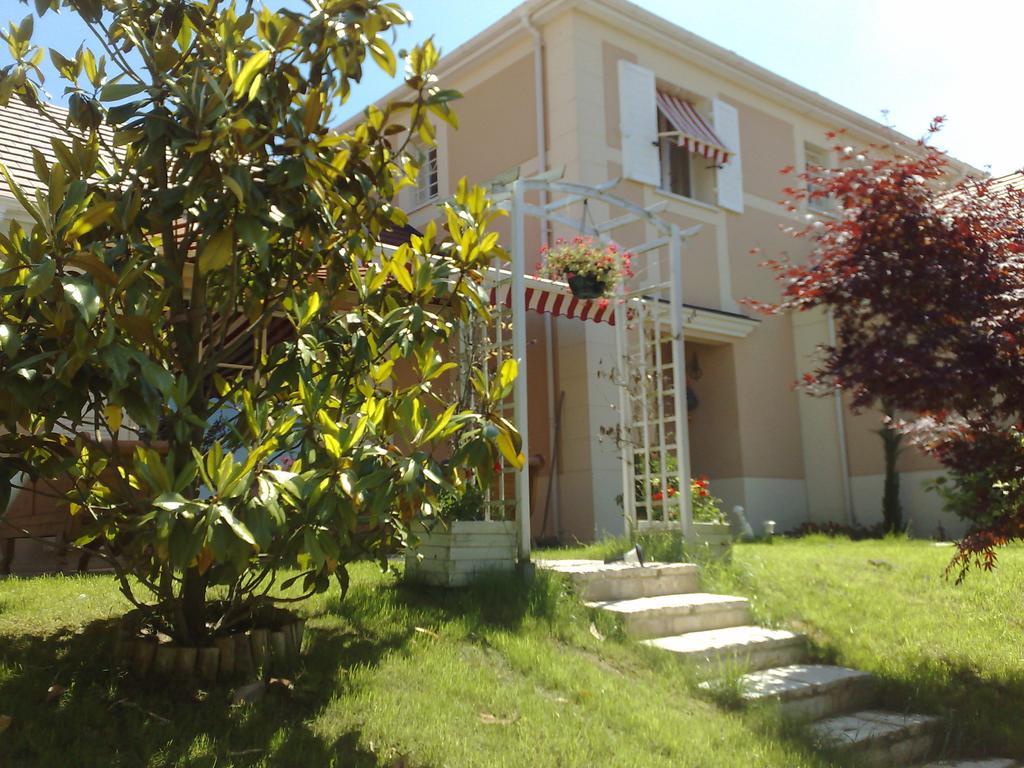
(427, 185)
(684, 172)
(675, 162)
(816, 157)
(704, 163)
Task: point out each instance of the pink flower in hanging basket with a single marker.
(582, 257)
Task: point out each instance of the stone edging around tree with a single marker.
(244, 654)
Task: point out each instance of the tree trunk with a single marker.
(892, 511)
(193, 607)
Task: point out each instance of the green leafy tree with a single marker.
(923, 273)
(205, 212)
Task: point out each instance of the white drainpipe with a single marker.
(844, 458)
(542, 163)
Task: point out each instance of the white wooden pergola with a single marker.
(648, 316)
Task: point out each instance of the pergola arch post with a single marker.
(520, 397)
(658, 304)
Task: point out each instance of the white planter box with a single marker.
(453, 555)
(716, 537)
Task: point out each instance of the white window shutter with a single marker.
(638, 121)
(730, 175)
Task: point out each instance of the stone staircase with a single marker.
(661, 605)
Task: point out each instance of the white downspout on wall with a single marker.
(542, 163)
(844, 458)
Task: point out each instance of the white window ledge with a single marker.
(829, 214)
(417, 207)
(699, 204)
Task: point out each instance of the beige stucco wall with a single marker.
(497, 119)
(714, 423)
(767, 144)
(770, 448)
(766, 367)
(747, 430)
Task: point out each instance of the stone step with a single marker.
(878, 739)
(747, 647)
(992, 762)
(810, 691)
(599, 581)
(663, 615)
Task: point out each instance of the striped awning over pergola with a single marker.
(552, 298)
(691, 130)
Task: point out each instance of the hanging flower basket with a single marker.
(586, 287)
(591, 269)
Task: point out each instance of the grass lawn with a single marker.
(393, 676)
(499, 675)
(884, 606)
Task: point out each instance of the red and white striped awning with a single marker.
(549, 297)
(692, 130)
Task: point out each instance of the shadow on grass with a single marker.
(981, 716)
(494, 602)
(108, 718)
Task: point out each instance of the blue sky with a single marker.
(913, 59)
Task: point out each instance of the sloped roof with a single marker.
(1013, 180)
(23, 129)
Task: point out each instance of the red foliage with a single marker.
(924, 276)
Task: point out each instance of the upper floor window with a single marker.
(816, 157)
(690, 151)
(427, 185)
(668, 142)
(683, 172)
(675, 162)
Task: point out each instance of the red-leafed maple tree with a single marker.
(923, 272)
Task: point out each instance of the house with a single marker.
(604, 89)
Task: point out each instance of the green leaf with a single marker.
(40, 278)
(235, 187)
(65, 66)
(217, 251)
(250, 69)
(310, 310)
(19, 194)
(402, 275)
(440, 424)
(508, 373)
(236, 525)
(119, 91)
(332, 445)
(508, 450)
(81, 292)
(24, 30)
(171, 502)
(90, 65)
(10, 341)
(95, 215)
(114, 416)
(384, 56)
